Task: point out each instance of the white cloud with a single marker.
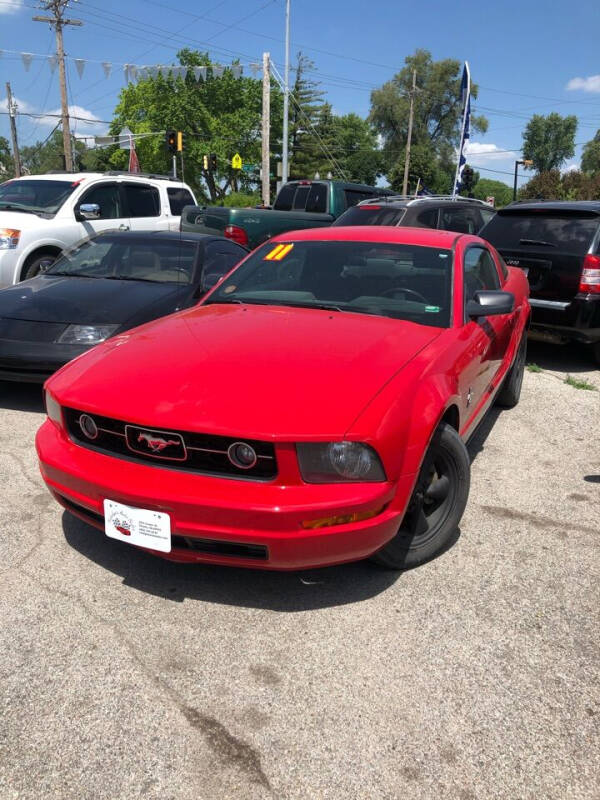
(589, 84)
(10, 6)
(488, 152)
(22, 105)
(571, 166)
(82, 121)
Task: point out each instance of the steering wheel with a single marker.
(400, 289)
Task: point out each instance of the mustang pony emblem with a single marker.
(156, 443)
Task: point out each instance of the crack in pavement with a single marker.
(228, 748)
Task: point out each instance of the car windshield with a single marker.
(544, 228)
(121, 257)
(38, 197)
(402, 281)
(370, 215)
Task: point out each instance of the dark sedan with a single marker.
(104, 286)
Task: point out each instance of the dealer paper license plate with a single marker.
(138, 526)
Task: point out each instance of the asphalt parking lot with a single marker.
(475, 676)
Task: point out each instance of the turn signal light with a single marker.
(340, 519)
(589, 283)
(236, 234)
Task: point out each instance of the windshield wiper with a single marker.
(537, 241)
(65, 274)
(128, 278)
(257, 302)
(12, 207)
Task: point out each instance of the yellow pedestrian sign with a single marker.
(236, 161)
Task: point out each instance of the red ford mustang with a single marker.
(312, 410)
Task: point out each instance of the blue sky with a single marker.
(524, 54)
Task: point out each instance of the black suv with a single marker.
(461, 214)
(557, 245)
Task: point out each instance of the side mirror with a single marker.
(89, 211)
(491, 303)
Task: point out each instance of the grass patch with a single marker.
(580, 383)
(534, 368)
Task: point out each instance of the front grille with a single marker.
(180, 450)
(25, 330)
(210, 546)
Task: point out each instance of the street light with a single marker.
(527, 162)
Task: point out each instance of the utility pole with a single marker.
(409, 137)
(58, 21)
(12, 113)
(286, 98)
(266, 125)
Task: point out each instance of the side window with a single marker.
(178, 198)
(285, 198)
(105, 195)
(354, 196)
(143, 200)
(317, 199)
(486, 215)
(479, 271)
(218, 260)
(300, 198)
(460, 219)
(427, 218)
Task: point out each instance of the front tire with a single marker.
(510, 393)
(38, 264)
(436, 506)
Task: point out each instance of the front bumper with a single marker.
(226, 521)
(8, 265)
(578, 320)
(34, 362)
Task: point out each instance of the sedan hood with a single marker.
(85, 301)
(256, 371)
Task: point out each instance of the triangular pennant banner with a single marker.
(255, 68)
(126, 72)
(107, 67)
(197, 73)
(153, 71)
(203, 71)
(133, 72)
(26, 58)
(52, 61)
(218, 70)
(236, 70)
(80, 66)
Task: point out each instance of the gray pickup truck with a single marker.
(299, 204)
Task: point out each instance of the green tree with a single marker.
(436, 125)
(502, 194)
(590, 160)
(219, 115)
(7, 167)
(549, 141)
(306, 103)
(543, 186)
(48, 155)
(355, 147)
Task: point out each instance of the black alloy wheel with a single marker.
(37, 265)
(436, 506)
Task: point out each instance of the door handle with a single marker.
(123, 227)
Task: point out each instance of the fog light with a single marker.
(341, 519)
(88, 426)
(242, 455)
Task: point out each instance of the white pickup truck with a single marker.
(40, 215)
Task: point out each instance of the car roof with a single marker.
(403, 201)
(428, 237)
(552, 205)
(78, 177)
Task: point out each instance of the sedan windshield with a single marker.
(132, 258)
(402, 281)
(37, 197)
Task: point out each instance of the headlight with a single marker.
(86, 334)
(337, 462)
(9, 238)
(53, 409)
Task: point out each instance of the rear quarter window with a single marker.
(178, 198)
(370, 215)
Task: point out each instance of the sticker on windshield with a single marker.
(278, 253)
(432, 309)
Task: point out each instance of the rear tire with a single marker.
(509, 394)
(437, 504)
(596, 352)
(38, 264)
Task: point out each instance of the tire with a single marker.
(437, 504)
(509, 394)
(596, 352)
(38, 264)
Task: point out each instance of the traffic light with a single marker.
(212, 162)
(179, 141)
(171, 141)
(468, 178)
(205, 162)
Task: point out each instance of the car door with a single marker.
(142, 201)
(112, 214)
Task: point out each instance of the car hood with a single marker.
(263, 372)
(85, 301)
(21, 220)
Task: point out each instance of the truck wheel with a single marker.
(436, 506)
(37, 264)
